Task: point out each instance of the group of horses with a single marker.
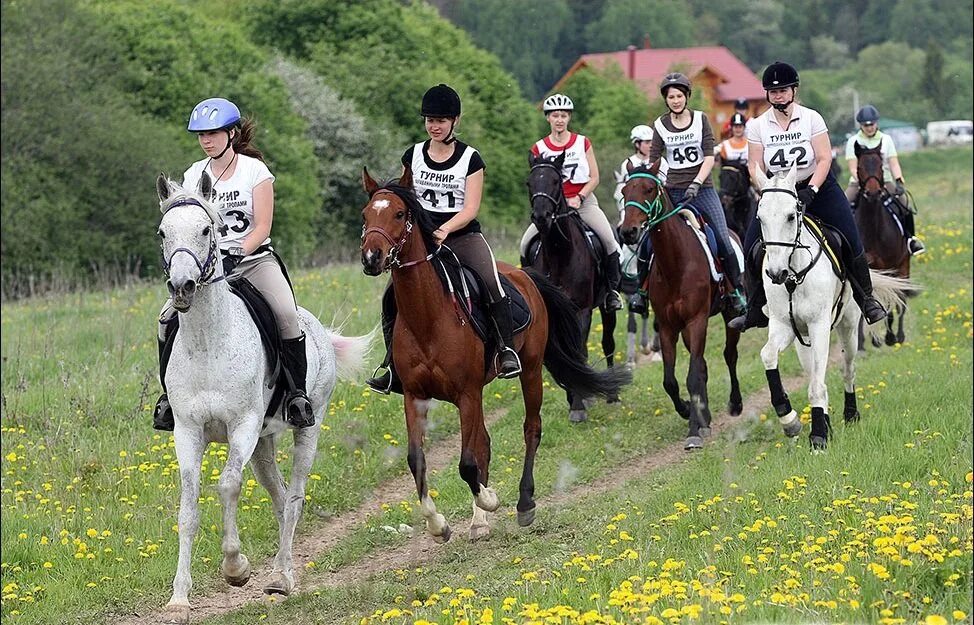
(220, 378)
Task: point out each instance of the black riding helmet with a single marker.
(867, 114)
(678, 80)
(440, 101)
(779, 75)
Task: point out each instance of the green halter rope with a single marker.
(655, 208)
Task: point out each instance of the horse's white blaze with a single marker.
(380, 205)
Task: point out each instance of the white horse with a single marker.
(217, 382)
(805, 301)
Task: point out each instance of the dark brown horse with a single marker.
(882, 237)
(682, 294)
(736, 197)
(567, 261)
(437, 354)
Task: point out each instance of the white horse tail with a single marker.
(351, 353)
(892, 291)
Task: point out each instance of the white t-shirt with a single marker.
(234, 196)
(886, 148)
(785, 147)
(623, 171)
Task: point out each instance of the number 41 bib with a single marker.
(684, 149)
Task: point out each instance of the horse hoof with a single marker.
(791, 424)
(577, 416)
(735, 408)
(479, 532)
(612, 399)
(851, 417)
(818, 444)
(444, 536)
(526, 517)
(588, 402)
(693, 442)
(279, 584)
(240, 577)
(655, 357)
(176, 614)
(705, 432)
(876, 342)
(487, 499)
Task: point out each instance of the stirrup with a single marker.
(915, 246)
(638, 304)
(873, 311)
(612, 300)
(381, 384)
(300, 412)
(501, 373)
(162, 417)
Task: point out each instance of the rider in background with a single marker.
(580, 175)
(870, 136)
(734, 148)
(684, 138)
(790, 135)
(741, 107)
(243, 189)
(448, 179)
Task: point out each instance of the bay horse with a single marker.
(220, 385)
(806, 300)
(683, 296)
(437, 354)
(566, 259)
(735, 196)
(882, 236)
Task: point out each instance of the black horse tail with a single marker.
(564, 356)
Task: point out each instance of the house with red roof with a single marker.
(722, 76)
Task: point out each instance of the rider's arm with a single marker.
(707, 145)
(473, 192)
(263, 216)
(755, 163)
(593, 169)
(822, 148)
(894, 168)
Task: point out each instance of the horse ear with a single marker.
(792, 175)
(206, 186)
(406, 179)
(162, 187)
(532, 159)
(654, 168)
(368, 182)
(629, 166)
(559, 160)
(858, 148)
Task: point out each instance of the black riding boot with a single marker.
(862, 290)
(509, 365)
(734, 301)
(639, 301)
(297, 406)
(162, 418)
(613, 278)
(754, 316)
(388, 382)
(914, 244)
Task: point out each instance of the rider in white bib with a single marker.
(581, 177)
(685, 140)
(790, 135)
(244, 195)
(448, 179)
(734, 148)
(870, 137)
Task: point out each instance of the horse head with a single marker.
(545, 186)
(642, 197)
(869, 170)
(780, 215)
(188, 230)
(388, 220)
(734, 181)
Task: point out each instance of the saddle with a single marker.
(831, 241)
(263, 317)
(594, 244)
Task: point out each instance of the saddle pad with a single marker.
(469, 296)
(830, 240)
(595, 246)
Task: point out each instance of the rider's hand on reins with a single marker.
(440, 235)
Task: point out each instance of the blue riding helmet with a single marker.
(867, 114)
(213, 114)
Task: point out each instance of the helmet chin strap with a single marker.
(781, 107)
(450, 138)
(227, 146)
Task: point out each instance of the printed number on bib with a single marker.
(241, 224)
(798, 156)
(690, 154)
(568, 171)
(430, 196)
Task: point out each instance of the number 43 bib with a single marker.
(684, 149)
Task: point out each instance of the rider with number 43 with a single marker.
(244, 196)
(791, 135)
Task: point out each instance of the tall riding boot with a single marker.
(862, 290)
(639, 301)
(734, 301)
(509, 365)
(297, 406)
(388, 382)
(754, 316)
(162, 417)
(914, 244)
(613, 277)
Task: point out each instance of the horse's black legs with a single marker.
(577, 411)
(670, 384)
(821, 429)
(475, 462)
(532, 388)
(695, 339)
(609, 342)
(731, 339)
(788, 418)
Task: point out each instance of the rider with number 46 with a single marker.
(685, 140)
(244, 190)
(790, 135)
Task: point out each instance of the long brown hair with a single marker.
(243, 143)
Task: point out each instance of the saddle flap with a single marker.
(831, 240)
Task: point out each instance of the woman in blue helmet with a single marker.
(243, 192)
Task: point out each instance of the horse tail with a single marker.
(564, 356)
(351, 352)
(891, 291)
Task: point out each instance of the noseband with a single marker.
(396, 244)
(559, 201)
(653, 209)
(208, 266)
(796, 277)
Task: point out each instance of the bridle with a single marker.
(558, 202)
(208, 266)
(654, 210)
(396, 244)
(877, 177)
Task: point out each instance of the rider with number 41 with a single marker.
(244, 195)
(790, 135)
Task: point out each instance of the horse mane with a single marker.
(181, 196)
(422, 218)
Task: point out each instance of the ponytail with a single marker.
(243, 143)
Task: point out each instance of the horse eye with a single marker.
(791, 218)
(400, 214)
(161, 233)
(206, 231)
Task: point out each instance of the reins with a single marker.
(208, 266)
(654, 210)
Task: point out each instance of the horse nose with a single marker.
(629, 235)
(778, 277)
(370, 262)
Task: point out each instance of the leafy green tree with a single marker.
(668, 23)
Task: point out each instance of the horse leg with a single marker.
(265, 469)
(416, 409)
(695, 340)
(670, 385)
(609, 343)
(189, 453)
(631, 339)
(890, 337)
(475, 462)
(644, 334)
(235, 566)
(780, 336)
(900, 311)
(655, 351)
(847, 339)
(732, 337)
(532, 388)
(577, 405)
(815, 360)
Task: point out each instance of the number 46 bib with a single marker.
(684, 149)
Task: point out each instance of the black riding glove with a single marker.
(806, 196)
(230, 261)
(898, 188)
(691, 191)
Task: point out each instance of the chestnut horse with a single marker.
(882, 238)
(683, 296)
(437, 354)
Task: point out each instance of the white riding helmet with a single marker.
(558, 102)
(642, 132)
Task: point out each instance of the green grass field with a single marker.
(752, 529)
